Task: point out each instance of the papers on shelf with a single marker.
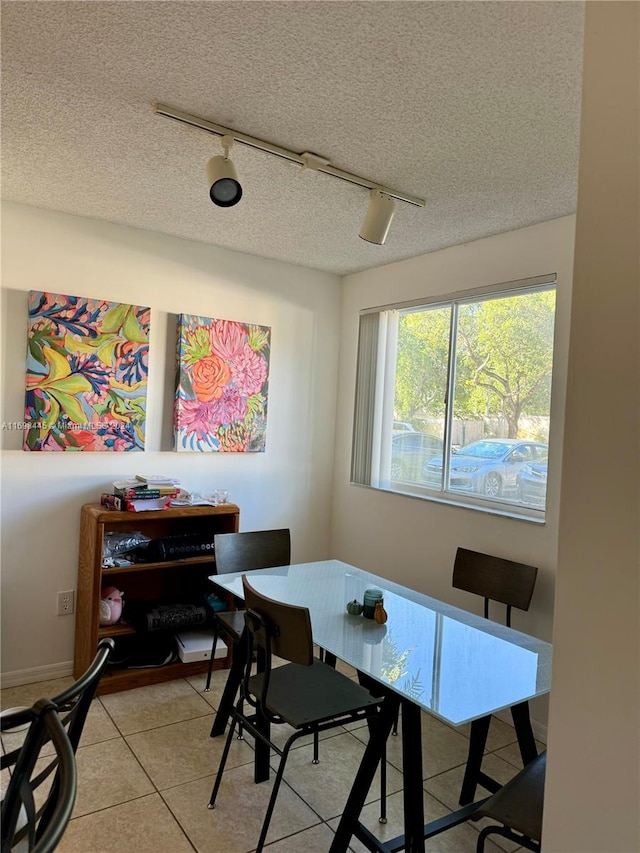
(192, 499)
(148, 504)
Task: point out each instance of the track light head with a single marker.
(378, 219)
(225, 189)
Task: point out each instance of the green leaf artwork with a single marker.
(87, 366)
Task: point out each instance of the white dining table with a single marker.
(428, 656)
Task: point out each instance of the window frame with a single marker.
(374, 401)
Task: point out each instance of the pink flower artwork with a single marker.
(221, 385)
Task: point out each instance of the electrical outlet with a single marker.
(66, 602)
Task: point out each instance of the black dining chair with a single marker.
(25, 826)
(510, 583)
(495, 579)
(244, 552)
(73, 704)
(306, 693)
(518, 807)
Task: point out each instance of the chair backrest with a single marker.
(26, 827)
(288, 627)
(495, 579)
(72, 704)
(255, 549)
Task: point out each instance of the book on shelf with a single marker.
(136, 504)
(155, 480)
(146, 493)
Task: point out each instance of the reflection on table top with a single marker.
(454, 664)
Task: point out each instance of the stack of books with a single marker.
(142, 493)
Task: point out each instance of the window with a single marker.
(470, 375)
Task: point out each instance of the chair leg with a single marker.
(481, 837)
(223, 761)
(330, 659)
(506, 832)
(274, 794)
(207, 687)
(316, 748)
(394, 731)
(240, 706)
(383, 784)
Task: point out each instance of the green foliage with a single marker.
(504, 359)
(421, 368)
(505, 349)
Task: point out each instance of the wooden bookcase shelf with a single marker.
(173, 579)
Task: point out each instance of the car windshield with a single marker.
(485, 449)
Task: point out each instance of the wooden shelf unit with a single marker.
(171, 579)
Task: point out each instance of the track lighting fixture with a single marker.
(378, 219)
(225, 189)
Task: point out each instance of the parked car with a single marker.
(487, 467)
(532, 483)
(402, 426)
(410, 451)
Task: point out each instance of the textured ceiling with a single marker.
(473, 106)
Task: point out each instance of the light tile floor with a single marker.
(146, 766)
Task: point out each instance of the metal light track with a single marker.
(307, 160)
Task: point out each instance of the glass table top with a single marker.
(454, 664)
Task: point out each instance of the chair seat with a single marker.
(232, 623)
(518, 804)
(301, 695)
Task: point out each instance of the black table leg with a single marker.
(364, 777)
(412, 778)
(225, 708)
(524, 732)
(472, 773)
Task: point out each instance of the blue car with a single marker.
(532, 483)
(487, 467)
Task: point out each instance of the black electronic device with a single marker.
(179, 547)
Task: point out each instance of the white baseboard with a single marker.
(38, 673)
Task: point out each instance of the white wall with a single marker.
(414, 541)
(288, 485)
(592, 801)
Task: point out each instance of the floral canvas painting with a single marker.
(222, 385)
(87, 366)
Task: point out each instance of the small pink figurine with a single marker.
(110, 605)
